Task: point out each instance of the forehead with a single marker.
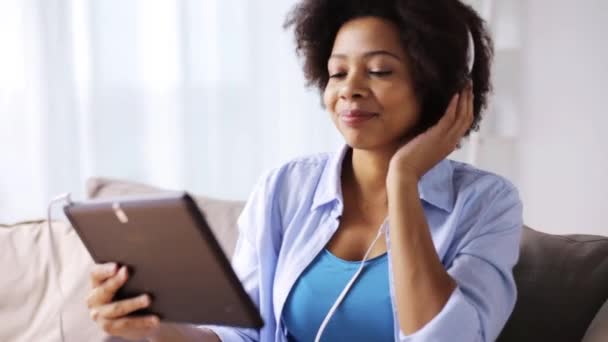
(365, 34)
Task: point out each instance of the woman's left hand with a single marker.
(414, 159)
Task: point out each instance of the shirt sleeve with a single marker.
(485, 295)
(258, 214)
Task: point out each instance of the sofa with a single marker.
(562, 280)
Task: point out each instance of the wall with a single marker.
(563, 146)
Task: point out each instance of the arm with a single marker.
(422, 285)
(472, 299)
(256, 247)
(113, 319)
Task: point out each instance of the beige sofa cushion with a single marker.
(31, 299)
(221, 215)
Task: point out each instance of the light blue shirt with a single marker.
(475, 219)
(365, 314)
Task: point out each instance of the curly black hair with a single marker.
(434, 36)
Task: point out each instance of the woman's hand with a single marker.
(111, 316)
(419, 155)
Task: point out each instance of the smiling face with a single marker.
(370, 93)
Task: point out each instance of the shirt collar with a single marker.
(435, 187)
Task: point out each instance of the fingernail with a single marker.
(153, 320)
(145, 299)
(94, 313)
(110, 267)
(123, 271)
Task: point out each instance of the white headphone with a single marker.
(470, 52)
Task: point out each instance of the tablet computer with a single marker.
(171, 254)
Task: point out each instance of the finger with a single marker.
(120, 308)
(468, 119)
(101, 272)
(132, 327)
(450, 131)
(465, 114)
(461, 123)
(462, 106)
(446, 122)
(470, 107)
(104, 293)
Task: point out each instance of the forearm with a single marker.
(422, 285)
(184, 333)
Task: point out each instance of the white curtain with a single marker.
(202, 95)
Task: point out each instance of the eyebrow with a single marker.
(369, 54)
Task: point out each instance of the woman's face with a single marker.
(370, 93)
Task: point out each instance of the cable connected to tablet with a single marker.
(55, 256)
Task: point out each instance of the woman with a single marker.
(404, 82)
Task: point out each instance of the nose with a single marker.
(353, 87)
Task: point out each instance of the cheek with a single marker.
(404, 101)
(330, 99)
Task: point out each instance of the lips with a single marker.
(356, 116)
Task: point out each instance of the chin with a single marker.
(365, 143)
(372, 138)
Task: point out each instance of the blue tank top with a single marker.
(365, 314)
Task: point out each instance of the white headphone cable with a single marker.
(349, 285)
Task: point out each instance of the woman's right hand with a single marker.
(112, 316)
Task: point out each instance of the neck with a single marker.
(365, 172)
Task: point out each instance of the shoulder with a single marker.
(471, 181)
(484, 198)
(292, 182)
(301, 171)
(488, 214)
(304, 167)
(280, 192)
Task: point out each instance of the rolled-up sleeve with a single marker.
(485, 295)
